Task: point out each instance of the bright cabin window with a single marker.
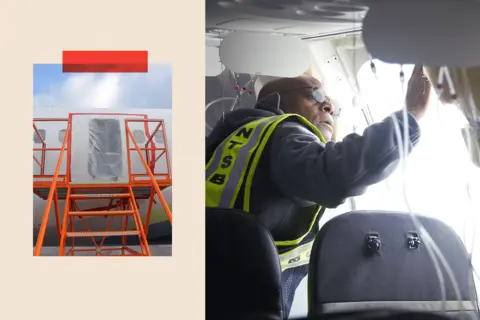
(438, 171)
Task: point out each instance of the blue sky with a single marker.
(53, 88)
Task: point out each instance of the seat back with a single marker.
(364, 260)
(243, 275)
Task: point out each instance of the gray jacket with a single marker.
(297, 170)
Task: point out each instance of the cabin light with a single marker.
(301, 12)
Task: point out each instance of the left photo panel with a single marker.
(102, 170)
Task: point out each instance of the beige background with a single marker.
(90, 288)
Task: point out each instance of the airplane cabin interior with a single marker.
(363, 52)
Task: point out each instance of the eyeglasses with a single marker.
(318, 94)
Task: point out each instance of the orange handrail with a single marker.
(53, 190)
(150, 136)
(64, 224)
(44, 149)
(139, 222)
(44, 145)
(149, 172)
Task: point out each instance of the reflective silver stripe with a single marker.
(426, 306)
(217, 156)
(297, 257)
(241, 163)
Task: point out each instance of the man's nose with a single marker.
(328, 108)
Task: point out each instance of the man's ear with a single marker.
(271, 103)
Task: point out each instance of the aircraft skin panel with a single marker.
(53, 137)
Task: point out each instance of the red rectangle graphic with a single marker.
(105, 61)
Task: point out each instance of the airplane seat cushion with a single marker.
(243, 275)
(378, 259)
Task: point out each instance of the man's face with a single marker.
(308, 99)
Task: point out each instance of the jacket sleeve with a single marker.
(305, 169)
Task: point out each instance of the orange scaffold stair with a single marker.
(122, 198)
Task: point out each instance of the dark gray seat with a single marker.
(243, 275)
(364, 260)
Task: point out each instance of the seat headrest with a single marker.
(362, 260)
(243, 275)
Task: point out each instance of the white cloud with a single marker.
(115, 90)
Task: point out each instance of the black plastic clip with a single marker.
(413, 240)
(372, 244)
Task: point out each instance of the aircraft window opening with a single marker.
(428, 162)
(159, 136)
(61, 135)
(105, 149)
(139, 136)
(43, 134)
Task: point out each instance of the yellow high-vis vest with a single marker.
(230, 172)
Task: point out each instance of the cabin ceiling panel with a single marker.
(292, 17)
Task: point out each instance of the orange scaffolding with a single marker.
(123, 197)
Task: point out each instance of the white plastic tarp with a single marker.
(99, 150)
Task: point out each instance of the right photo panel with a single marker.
(342, 164)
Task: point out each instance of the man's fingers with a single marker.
(419, 68)
(418, 71)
